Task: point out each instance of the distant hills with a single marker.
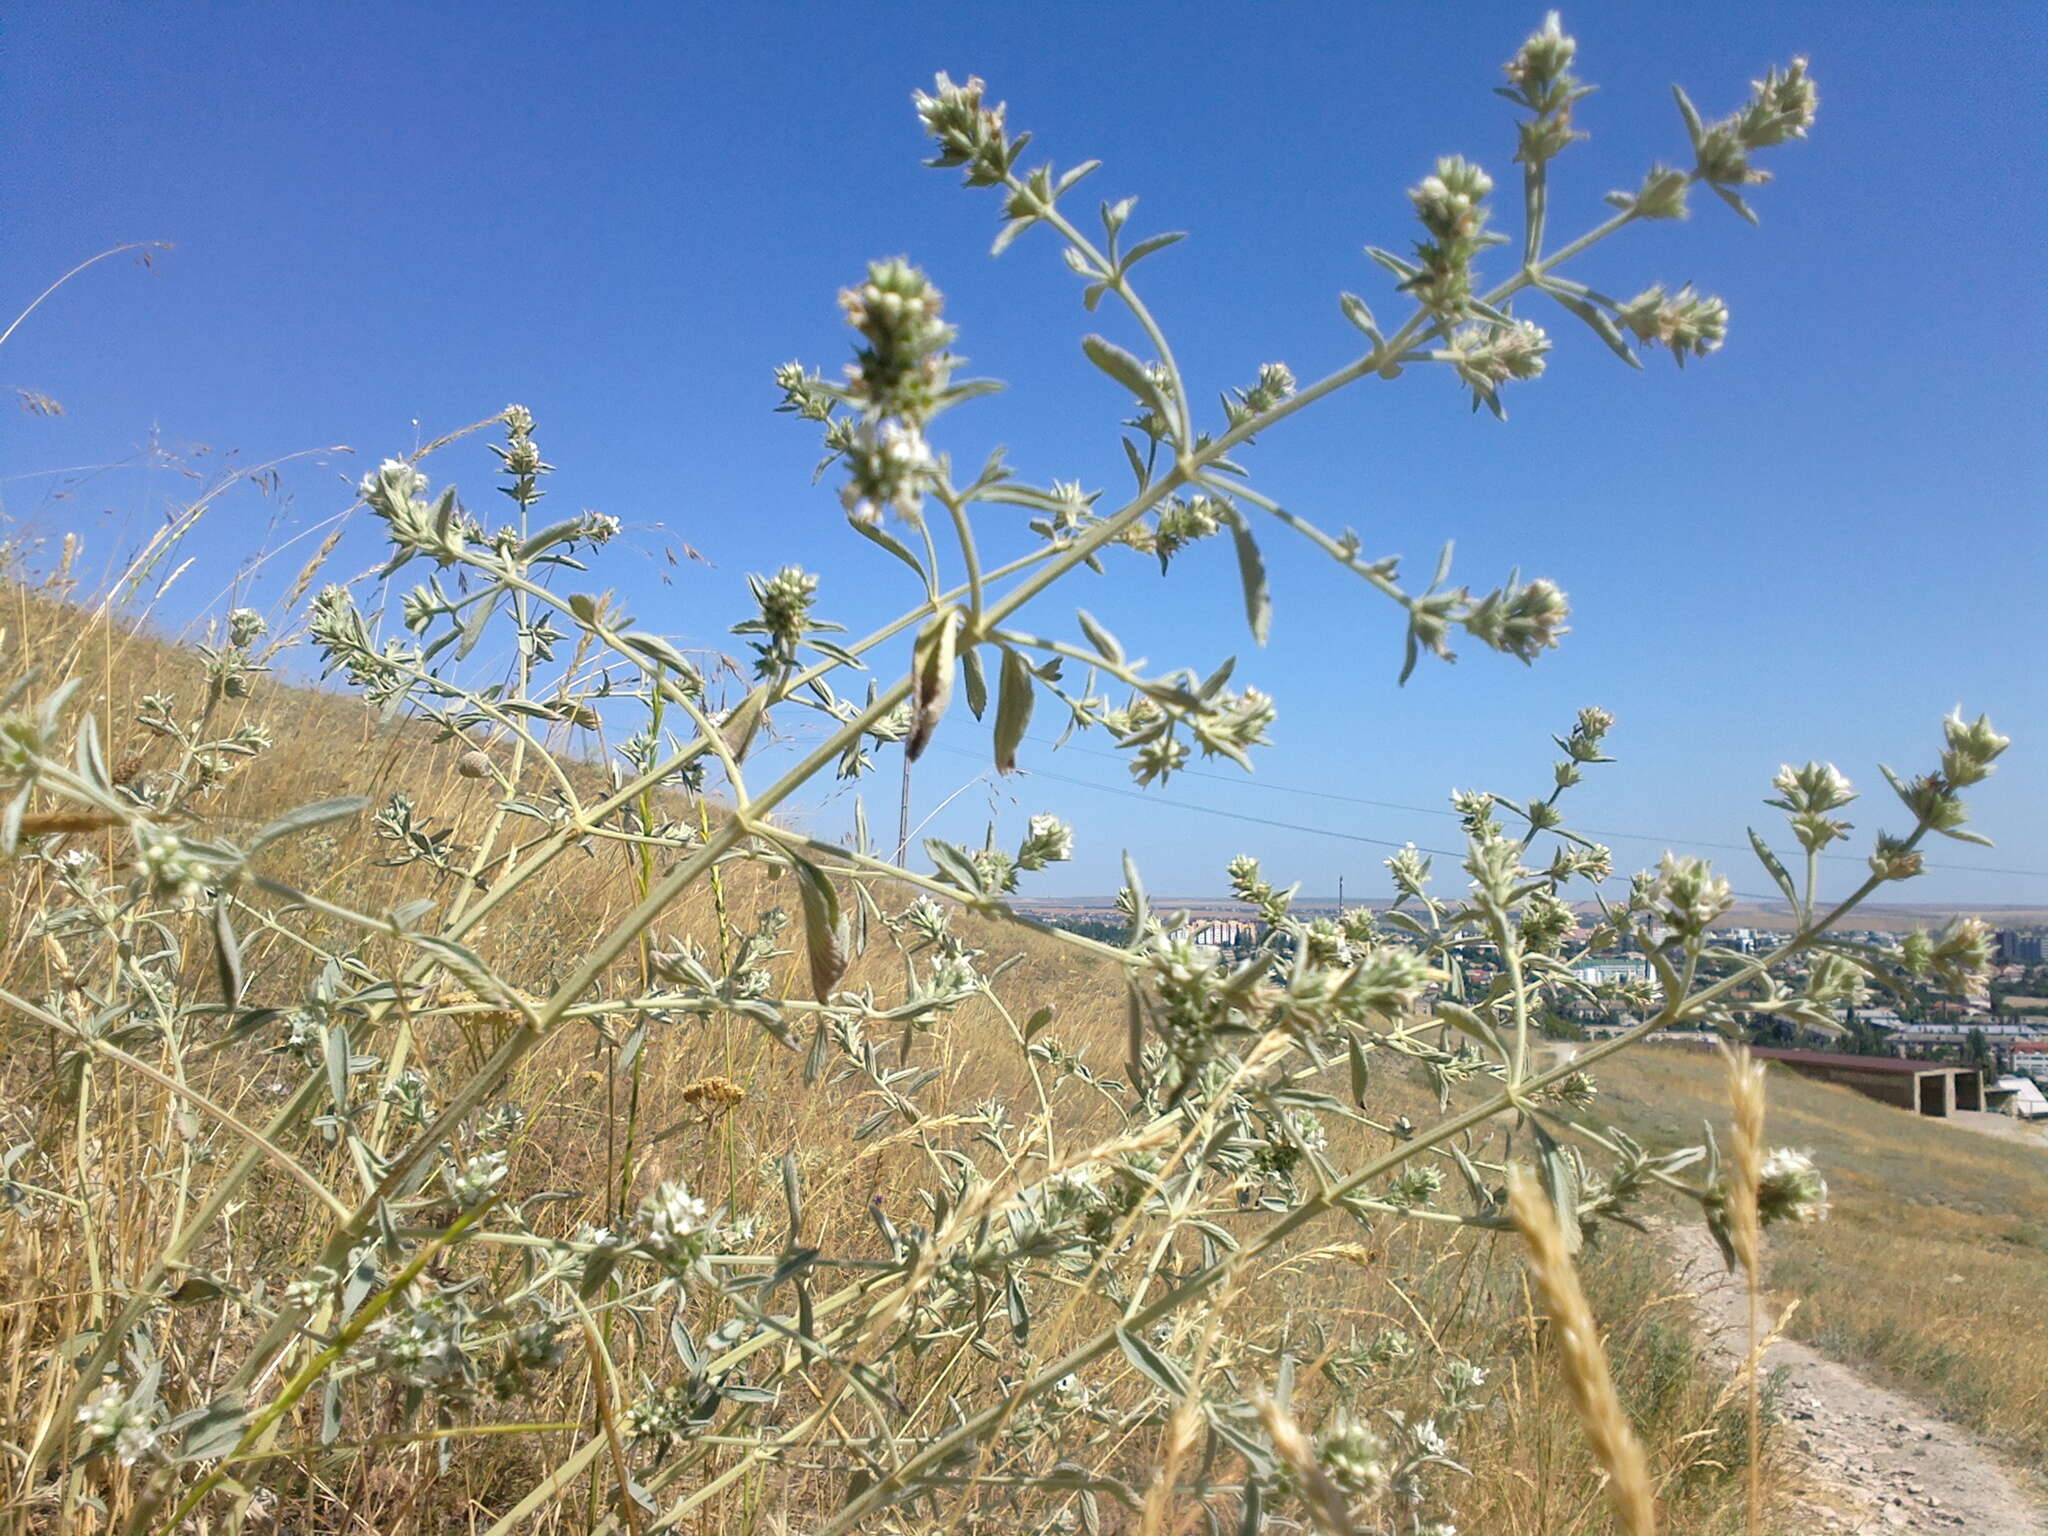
(1878, 916)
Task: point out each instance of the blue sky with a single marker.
(390, 221)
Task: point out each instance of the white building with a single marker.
(2020, 1097)
(1613, 971)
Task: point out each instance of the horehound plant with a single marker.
(1087, 1266)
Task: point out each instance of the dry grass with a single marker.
(66, 1260)
(1931, 1272)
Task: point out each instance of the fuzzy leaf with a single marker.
(1251, 574)
(1127, 371)
(825, 932)
(931, 687)
(976, 680)
(1016, 692)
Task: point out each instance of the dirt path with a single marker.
(1886, 1461)
(2027, 1133)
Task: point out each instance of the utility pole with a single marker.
(903, 814)
(1340, 895)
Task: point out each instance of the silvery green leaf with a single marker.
(1020, 1315)
(337, 1057)
(1147, 247)
(1561, 1182)
(793, 1197)
(227, 954)
(977, 683)
(1361, 1073)
(1733, 200)
(1600, 326)
(1126, 370)
(1103, 641)
(655, 649)
(1394, 264)
(954, 865)
(318, 813)
(92, 766)
(1016, 693)
(872, 1124)
(1251, 574)
(825, 933)
(1253, 1518)
(931, 681)
(1073, 178)
(1777, 870)
(1469, 1023)
(1137, 462)
(1360, 314)
(1152, 1365)
(814, 1062)
(1694, 128)
(211, 1431)
(1008, 234)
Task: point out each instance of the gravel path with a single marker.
(1884, 1462)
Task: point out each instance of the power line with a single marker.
(1150, 797)
(1775, 897)
(1667, 841)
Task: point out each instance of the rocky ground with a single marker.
(1880, 1462)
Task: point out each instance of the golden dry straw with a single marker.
(1585, 1361)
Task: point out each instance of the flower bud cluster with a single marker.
(1962, 953)
(1179, 523)
(114, 1422)
(1250, 886)
(888, 467)
(1893, 859)
(1541, 73)
(1686, 322)
(1661, 196)
(1489, 355)
(1451, 206)
(1806, 795)
(905, 366)
(675, 1226)
(521, 457)
(1575, 1090)
(428, 1347)
(785, 601)
(1410, 871)
(170, 870)
(1781, 106)
(477, 1179)
(396, 493)
(1047, 840)
(1276, 383)
(1353, 1457)
(1687, 894)
(1971, 748)
(968, 132)
(1520, 621)
(1546, 923)
(1790, 1188)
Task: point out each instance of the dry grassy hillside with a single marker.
(1380, 1307)
(1932, 1270)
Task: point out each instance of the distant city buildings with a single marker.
(2023, 946)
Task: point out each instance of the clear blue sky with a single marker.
(1812, 544)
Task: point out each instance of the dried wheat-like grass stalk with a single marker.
(1585, 1362)
(1745, 1225)
(1327, 1505)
